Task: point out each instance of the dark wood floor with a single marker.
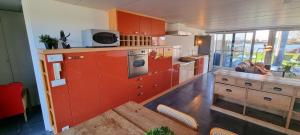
(195, 99)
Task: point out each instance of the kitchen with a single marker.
(140, 67)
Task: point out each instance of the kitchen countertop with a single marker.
(74, 50)
(258, 77)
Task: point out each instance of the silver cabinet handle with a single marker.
(277, 89)
(224, 79)
(267, 98)
(248, 84)
(228, 90)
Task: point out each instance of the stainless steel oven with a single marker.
(137, 62)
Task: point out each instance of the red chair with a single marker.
(11, 101)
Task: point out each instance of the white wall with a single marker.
(186, 43)
(18, 51)
(49, 17)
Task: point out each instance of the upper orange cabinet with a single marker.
(145, 25)
(132, 24)
(158, 27)
(128, 23)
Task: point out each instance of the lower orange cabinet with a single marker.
(199, 65)
(175, 75)
(98, 81)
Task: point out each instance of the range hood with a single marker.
(177, 29)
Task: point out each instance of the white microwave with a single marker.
(100, 38)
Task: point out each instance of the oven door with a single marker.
(138, 65)
(106, 38)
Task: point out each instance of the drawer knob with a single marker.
(248, 84)
(228, 90)
(277, 89)
(224, 79)
(267, 98)
(140, 86)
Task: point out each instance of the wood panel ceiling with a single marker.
(210, 15)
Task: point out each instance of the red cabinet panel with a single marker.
(157, 27)
(81, 77)
(115, 86)
(60, 101)
(175, 75)
(128, 23)
(199, 66)
(145, 25)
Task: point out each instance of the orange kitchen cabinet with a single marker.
(157, 27)
(164, 80)
(82, 77)
(145, 25)
(199, 66)
(175, 75)
(60, 101)
(115, 89)
(128, 23)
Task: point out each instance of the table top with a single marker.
(128, 119)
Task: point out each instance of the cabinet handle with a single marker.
(277, 89)
(267, 98)
(224, 79)
(155, 72)
(228, 90)
(155, 85)
(140, 94)
(75, 57)
(139, 79)
(140, 86)
(248, 84)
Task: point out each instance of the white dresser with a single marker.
(268, 101)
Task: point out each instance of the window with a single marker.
(261, 40)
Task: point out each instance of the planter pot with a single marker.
(48, 46)
(55, 46)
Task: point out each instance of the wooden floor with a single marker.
(195, 99)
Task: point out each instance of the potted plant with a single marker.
(160, 131)
(287, 69)
(49, 42)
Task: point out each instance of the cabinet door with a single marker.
(164, 80)
(115, 86)
(175, 75)
(81, 77)
(145, 25)
(199, 66)
(60, 100)
(128, 24)
(157, 27)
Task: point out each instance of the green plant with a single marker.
(287, 68)
(48, 41)
(160, 131)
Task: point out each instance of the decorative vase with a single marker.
(48, 46)
(55, 46)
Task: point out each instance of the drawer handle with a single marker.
(224, 79)
(267, 98)
(248, 84)
(140, 86)
(228, 90)
(277, 89)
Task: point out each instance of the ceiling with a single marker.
(210, 15)
(11, 5)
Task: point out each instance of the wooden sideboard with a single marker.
(268, 101)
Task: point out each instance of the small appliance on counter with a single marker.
(100, 38)
(137, 62)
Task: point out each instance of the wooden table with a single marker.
(128, 119)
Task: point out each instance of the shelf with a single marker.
(297, 106)
(229, 106)
(265, 116)
(295, 125)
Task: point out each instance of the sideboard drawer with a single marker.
(230, 91)
(278, 102)
(251, 84)
(225, 79)
(278, 88)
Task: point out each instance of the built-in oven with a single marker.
(100, 38)
(137, 62)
